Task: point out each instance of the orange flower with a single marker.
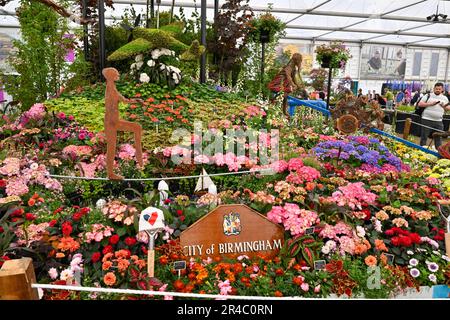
(60, 255)
(122, 265)
(380, 245)
(278, 293)
(140, 263)
(31, 202)
(106, 265)
(107, 256)
(68, 243)
(370, 261)
(310, 186)
(121, 254)
(109, 279)
(384, 259)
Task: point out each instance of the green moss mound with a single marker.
(194, 52)
(160, 39)
(131, 49)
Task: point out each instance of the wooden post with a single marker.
(16, 278)
(447, 244)
(407, 128)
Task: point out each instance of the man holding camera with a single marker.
(434, 106)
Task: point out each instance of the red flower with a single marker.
(167, 201)
(178, 285)
(389, 232)
(179, 212)
(367, 213)
(52, 223)
(77, 216)
(114, 239)
(297, 281)
(3, 259)
(17, 213)
(107, 249)
(30, 217)
(395, 241)
(2, 183)
(66, 228)
(58, 210)
(279, 272)
(278, 293)
(405, 241)
(96, 257)
(415, 238)
(85, 210)
(182, 218)
(1, 229)
(130, 241)
(164, 260)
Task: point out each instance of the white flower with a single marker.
(413, 262)
(100, 203)
(177, 81)
(151, 63)
(144, 78)
(325, 250)
(139, 57)
(156, 54)
(360, 231)
(175, 69)
(139, 64)
(53, 273)
(162, 67)
(66, 274)
(378, 225)
(133, 66)
(414, 272)
(172, 53)
(34, 166)
(432, 278)
(446, 258)
(174, 76)
(409, 252)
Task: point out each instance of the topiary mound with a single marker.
(131, 49)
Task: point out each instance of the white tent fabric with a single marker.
(400, 22)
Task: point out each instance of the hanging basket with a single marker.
(264, 36)
(326, 60)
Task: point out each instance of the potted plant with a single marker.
(335, 55)
(265, 27)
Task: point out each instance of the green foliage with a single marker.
(130, 50)
(82, 73)
(40, 58)
(89, 113)
(194, 52)
(266, 24)
(175, 28)
(160, 39)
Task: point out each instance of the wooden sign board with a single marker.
(231, 231)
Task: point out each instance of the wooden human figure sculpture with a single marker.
(113, 123)
(286, 79)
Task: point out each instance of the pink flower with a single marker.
(61, 115)
(279, 166)
(317, 289)
(304, 286)
(53, 273)
(295, 164)
(127, 152)
(225, 287)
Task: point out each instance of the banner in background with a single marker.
(381, 62)
(286, 50)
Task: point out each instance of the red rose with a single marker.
(107, 249)
(167, 201)
(2, 183)
(405, 241)
(415, 238)
(30, 217)
(389, 232)
(66, 228)
(130, 241)
(180, 212)
(96, 257)
(77, 216)
(52, 223)
(85, 210)
(395, 241)
(1, 229)
(114, 239)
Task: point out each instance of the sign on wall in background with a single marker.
(6, 47)
(231, 231)
(383, 62)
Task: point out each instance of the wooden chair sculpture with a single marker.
(113, 123)
(444, 150)
(351, 113)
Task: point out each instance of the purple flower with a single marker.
(433, 267)
(414, 272)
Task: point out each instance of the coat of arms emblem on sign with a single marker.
(232, 224)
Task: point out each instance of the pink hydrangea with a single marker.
(293, 218)
(74, 151)
(88, 169)
(353, 195)
(276, 214)
(11, 166)
(126, 152)
(279, 166)
(16, 187)
(295, 164)
(36, 112)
